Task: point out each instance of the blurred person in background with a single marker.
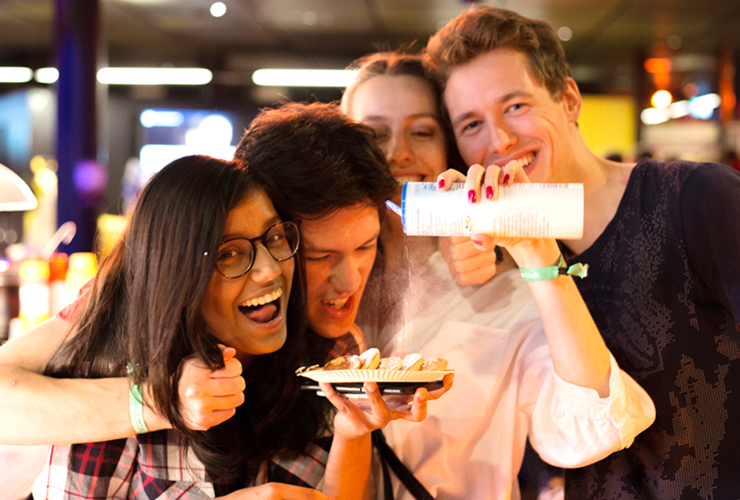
(393, 95)
(731, 159)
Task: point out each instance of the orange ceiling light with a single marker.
(656, 65)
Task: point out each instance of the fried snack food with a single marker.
(370, 359)
(413, 362)
(434, 365)
(392, 363)
(344, 363)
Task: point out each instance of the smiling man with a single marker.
(664, 276)
(336, 182)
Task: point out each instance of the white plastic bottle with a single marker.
(522, 210)
(33, 292)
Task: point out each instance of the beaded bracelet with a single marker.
(560, 268)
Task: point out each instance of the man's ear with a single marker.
(572, 101)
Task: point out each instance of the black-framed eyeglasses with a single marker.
(236, 256)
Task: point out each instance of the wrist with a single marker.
(136, 409)
(154, 421)
(559, 268)
(352, 440)
(348, 433)
(535, 253)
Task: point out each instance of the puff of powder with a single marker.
(413, 362)
(370, 359)
(344, 363)
(434, 365)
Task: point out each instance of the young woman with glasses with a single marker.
(194, 298)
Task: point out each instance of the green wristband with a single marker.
(560, 268)
(136, 405)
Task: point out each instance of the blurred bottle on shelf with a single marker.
(82, 267)
(9, 302)
(39, 224)
(33, 292)
(59, 295)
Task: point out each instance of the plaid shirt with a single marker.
(157, 465)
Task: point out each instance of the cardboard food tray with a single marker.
(346, 376)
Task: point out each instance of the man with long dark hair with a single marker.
(326, 168)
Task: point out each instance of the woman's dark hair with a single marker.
(403, 64)
(143, 310)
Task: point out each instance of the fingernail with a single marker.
(489, 192)
(441, 183)
(477, 243)
(423, 396)
(506, 179)
(471, 196)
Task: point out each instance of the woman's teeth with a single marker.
(265, 299)
(408, 178)
(337, 303)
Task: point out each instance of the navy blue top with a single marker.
(664, 290)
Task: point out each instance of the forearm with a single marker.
(578, 351)
(348, 468)
(44, 410)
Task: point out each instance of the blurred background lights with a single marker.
(199, 133)
(212, 131)
(15, 74)
(703, 106)
(565, 33)
(310, 18)
(161, 118)
(218, 9)
(653, 116)
(46, 75)
(154, 76)
(678, 109)
(39, 100)
(658, 65)
(691, 90)
(661, 99)
(304, 77)
(674, 42)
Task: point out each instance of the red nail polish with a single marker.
(489, 192)
(506, 179)
(441, 183)
(471, 196)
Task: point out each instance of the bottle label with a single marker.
(522, 211)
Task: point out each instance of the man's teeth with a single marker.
(265, 299)
(337, 303)
(522, 162)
